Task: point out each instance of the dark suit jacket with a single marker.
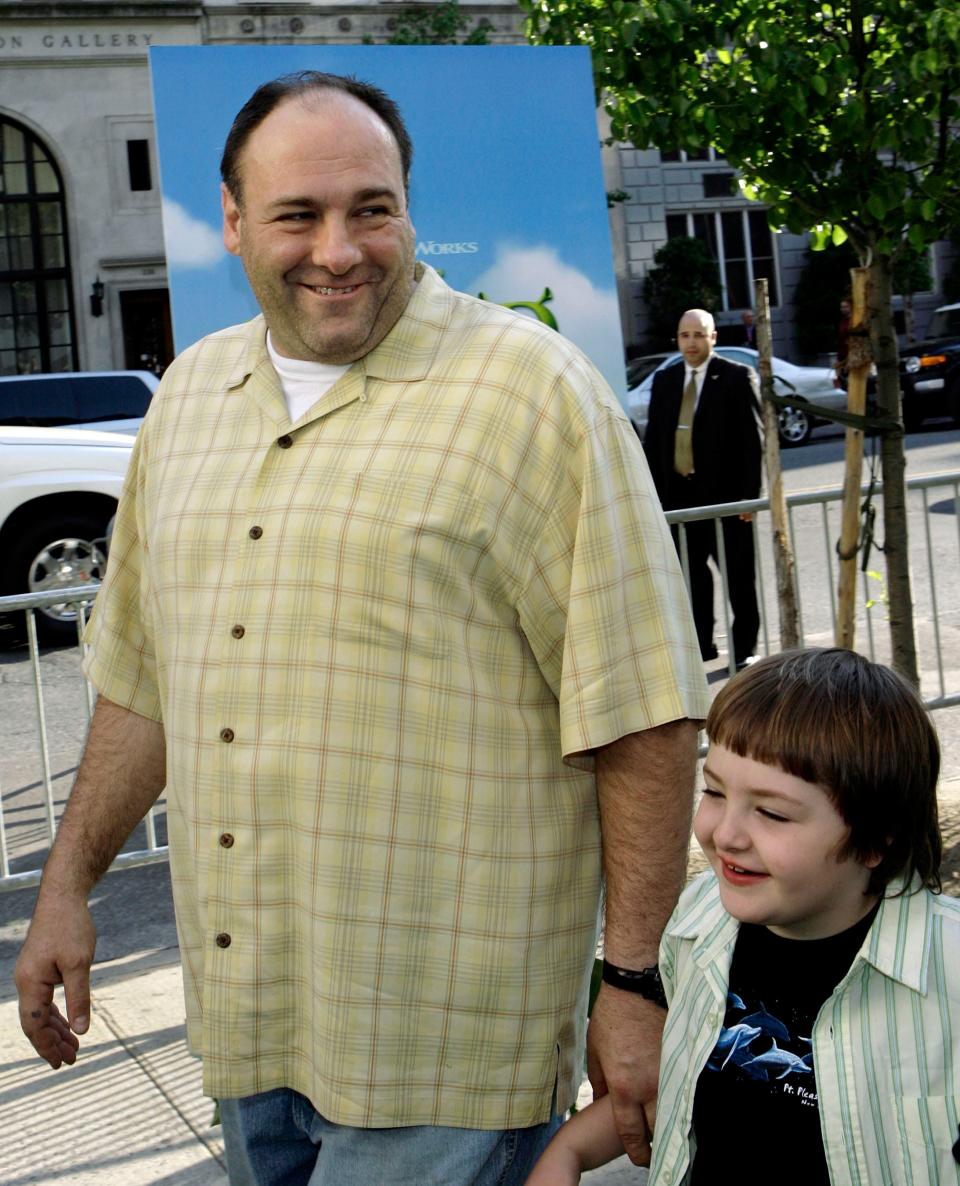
(727, 441)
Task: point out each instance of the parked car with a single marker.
(930, 371)
(113, 401)
(639, 368)
(58, 492)
(807, 384)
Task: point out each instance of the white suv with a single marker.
(58, 492)
(114, 401)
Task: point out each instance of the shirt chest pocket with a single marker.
(395, 556)
(929, 1133)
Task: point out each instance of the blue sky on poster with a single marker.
(506, 168)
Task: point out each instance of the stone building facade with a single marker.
(83, 280)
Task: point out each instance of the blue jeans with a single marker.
(277, 1138)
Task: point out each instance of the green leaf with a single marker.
(838, 235)
(877, 207)
(819, 84)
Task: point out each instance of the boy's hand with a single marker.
(623, 1059)
(587, 1140)
(558, 1165)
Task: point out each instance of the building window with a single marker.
(36, 310)
(719, 185)
(138, 165)
(682, 155)
(134, 187)
(742, 245)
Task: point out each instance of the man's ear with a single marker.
(232, 221)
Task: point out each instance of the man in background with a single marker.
(749, 329)
(704, 446)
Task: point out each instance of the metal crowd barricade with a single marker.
(818, 573)
(816, 581)
(28, 604)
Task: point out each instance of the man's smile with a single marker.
(330, 290)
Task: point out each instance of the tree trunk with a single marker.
(893, 462)
(858, 368)
(782, 551)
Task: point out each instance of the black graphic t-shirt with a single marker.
(755, 1113)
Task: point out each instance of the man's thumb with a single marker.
(76, 987)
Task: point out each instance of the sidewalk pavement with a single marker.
(130, 1111)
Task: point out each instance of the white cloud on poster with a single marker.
(588, 315)
(191, 243)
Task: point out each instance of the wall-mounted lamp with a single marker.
(96, 298)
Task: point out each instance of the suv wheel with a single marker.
(57, 552)
(794, 427)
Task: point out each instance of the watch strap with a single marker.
(645, 983)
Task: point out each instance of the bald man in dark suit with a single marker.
(704, 446)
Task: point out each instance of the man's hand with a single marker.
(122, 772)
(58, 950)
(623, 1059)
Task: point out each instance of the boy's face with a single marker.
(773, 841)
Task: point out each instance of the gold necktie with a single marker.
(683, 441)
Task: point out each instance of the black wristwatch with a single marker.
(646, 983)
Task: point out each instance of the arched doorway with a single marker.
(37, 326)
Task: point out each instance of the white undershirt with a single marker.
(304, 383)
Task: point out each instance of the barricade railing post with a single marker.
(42, 724)
(90, 695)
(725, 584)
(828, 548)
(4, 854)
(931, 576)
(793, 537)
(761, 591)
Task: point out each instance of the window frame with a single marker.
(717, 214)
(39, 275)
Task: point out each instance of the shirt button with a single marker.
(227, 735)
(238, 631)
(255, 532)
(226, 840)
(223, 939)
(285, 441)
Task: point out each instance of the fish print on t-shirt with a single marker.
(758, 1045)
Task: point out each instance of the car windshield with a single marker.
(639, 368)
(945, 323)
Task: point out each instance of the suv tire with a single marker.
(793, 426)
(57, 550)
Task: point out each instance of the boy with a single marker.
(813, 974)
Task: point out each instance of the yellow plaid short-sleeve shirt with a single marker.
(372, 637)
